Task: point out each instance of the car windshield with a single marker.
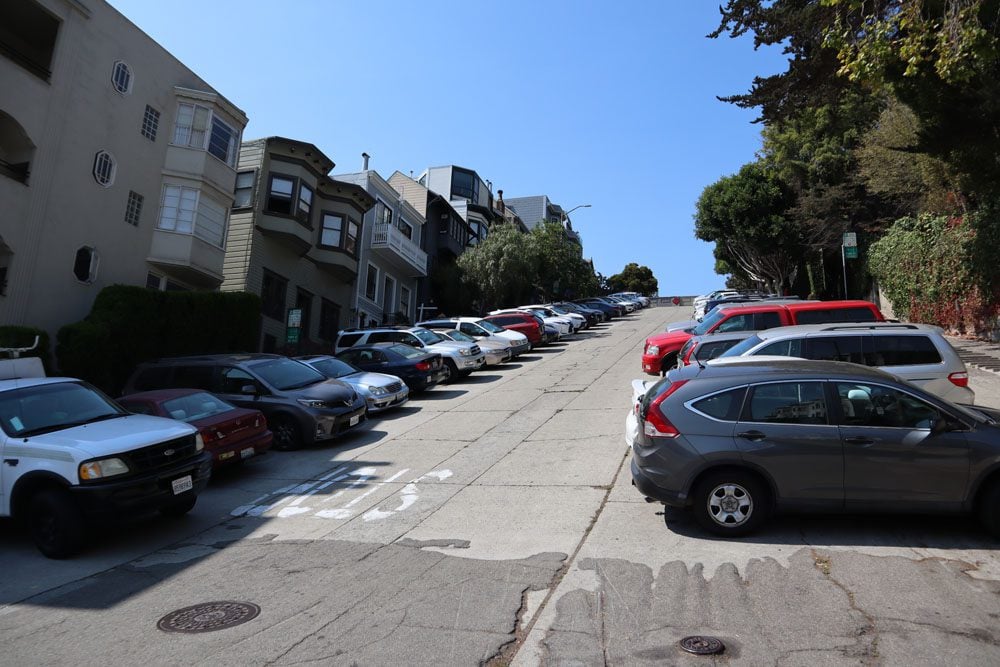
(287, 374)
(459, 336)
(741, 347)
(46, 408)
(559, 311)
(489, 326)
(406, 351)
(195, 406)
(333, 368)
(706, 324)
(427, 337)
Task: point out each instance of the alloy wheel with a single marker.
(730, 505)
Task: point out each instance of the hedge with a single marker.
(129, 325)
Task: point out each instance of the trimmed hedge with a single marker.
(12, 336)
(129, 325)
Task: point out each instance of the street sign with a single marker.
(850, 240)
(295, 318)
(850, 252)
(292, 335)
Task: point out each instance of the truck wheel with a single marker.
(57, 525)
(179, 508)
(287, 434)
(450, 371)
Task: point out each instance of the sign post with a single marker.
(848, 250)
(293, 326)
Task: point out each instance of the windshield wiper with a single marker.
(41, 430)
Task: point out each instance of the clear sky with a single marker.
(608, 103)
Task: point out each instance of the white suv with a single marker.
(917, 353)
(459, 358)
(73, 457)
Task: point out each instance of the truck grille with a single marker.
(162, 455)
(475, 349)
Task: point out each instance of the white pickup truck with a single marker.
(70, 456)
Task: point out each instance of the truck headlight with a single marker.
(653, 349)
(312, 403)
(102, 468)
(199, 442)
(466, 352)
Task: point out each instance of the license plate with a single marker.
(183, 484)
(355, 419)
(246, 453)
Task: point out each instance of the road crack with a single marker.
(867, 636)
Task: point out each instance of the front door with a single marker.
(786, 431)
(892, 459)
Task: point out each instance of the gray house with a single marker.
(539, 208)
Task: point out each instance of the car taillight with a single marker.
(210, 435)
(423, 366)
(960, 379)
(656, 423)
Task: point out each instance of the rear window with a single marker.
(905, 351)
(713, 348)
(725, 406)
(406, 351)
(287, 374)
(347, 340)
(829, 315)
(195, 406)
(836, 348)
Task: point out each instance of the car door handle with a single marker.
(753, 436)
(859, 440)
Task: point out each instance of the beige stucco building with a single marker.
(295, 238)
(117, 162)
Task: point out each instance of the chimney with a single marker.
(500, 205)
(365, 157)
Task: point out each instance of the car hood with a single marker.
(369, 378)
(452, 344)
(114, 435)
(513, 336)
(329, 390)
(669, 338)
(680, 326)
(487, 344)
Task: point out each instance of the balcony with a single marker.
(391, 246)
(337, 263)
(187, 258)
(286, 230)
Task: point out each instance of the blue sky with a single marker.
(608, 103)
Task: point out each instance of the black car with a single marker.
(593, 315)
(301, 405)
(419, 370)
(609, 309)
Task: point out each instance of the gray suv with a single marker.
(301, 405)
(735, 442)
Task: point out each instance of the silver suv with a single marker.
(459, 358)
(917, 353)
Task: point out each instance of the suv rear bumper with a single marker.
(140, 494)
(649, 489)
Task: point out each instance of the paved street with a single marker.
(494, 518)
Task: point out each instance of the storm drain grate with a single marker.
(701, 645)
(208, 617)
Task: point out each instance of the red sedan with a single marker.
(231, 434)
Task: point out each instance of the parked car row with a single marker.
(806, 418)
(74, 456)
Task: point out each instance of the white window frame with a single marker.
(95, 261)
(112, 171)
(121, 64)
(184, 135)
(197, 230)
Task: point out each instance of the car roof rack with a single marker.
(876, 325)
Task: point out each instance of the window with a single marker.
(305, 202)
(783, 348)
(152, 281)
(329, 320)
(404, 300)
(348, 340)
(904, 351)
(224, 142)
(243, 194)
(331, 229)
(736, 323)
(351, 242)
(724, 406)
(304, 301)
(272, 294)
(877, 406)
(150, 123)
(371, 283)
(85, 264)
(463, 184)
(185, 211)
(828, 315)
(133, 209)
(388, 292)
(279, 194)
(28, 34)
(104, 168)
(406, 228)
(766, 321)
(384, 213)
(192, 125)
(835, 348)
(121, 78)
(787, 403)
(710, 350)
(232, 380)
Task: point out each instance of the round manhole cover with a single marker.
(701, 645)
(208, 617)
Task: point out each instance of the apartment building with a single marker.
(295, 239)
(117, 163)
(391, 259)
(468, 194)
(539, 208)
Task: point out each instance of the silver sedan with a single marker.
(380, 390)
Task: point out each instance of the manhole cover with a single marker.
(208, 617)
(702, 645)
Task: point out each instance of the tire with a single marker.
(451, 372)
(668, 362)
(57, 525)
(287, 434)
(180, 508)
(731, 502)
(989, 508)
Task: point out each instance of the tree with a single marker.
(501, 269)
(746, 215)
(634, 278)
(560, 271)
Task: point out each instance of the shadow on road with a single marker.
(438, 394)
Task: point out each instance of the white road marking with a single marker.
(408, 496)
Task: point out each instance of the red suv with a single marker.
(520, 322)
(660, 352)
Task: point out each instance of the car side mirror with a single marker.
(248, 389)
(945, 425)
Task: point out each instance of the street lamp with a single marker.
(566, 213)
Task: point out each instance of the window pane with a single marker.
(211, 223)
(877, 406)
(279, 198)
(185, 117)
(222, 142)
(371, 282)
(351, 242)
(905, 351)
(332, 226)
(788, 403)
(736, 323)
(725, 406)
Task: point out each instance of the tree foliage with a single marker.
(634, 278)
(746, 215)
